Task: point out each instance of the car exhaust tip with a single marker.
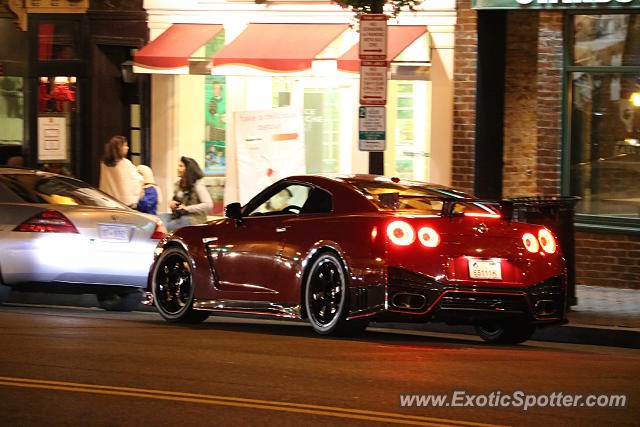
(408, 301)
(545, 307)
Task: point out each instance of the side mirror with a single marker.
(233, 211)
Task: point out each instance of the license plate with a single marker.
(485, 269)
(114, 233)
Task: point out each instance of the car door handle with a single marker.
(281, 229)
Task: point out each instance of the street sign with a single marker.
(373, 82)
(373, 36)
(372, 128)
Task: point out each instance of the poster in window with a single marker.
(215, 119)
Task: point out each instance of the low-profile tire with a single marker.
(326, 298)
(126, 301)
(505, 332)
(173, 288)
(5, 291)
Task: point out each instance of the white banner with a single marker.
(270, 146)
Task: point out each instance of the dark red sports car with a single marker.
(341, 251)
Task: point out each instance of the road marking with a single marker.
(358, 414)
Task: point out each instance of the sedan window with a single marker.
(287, 199)
(51, 189)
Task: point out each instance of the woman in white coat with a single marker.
(118, 176)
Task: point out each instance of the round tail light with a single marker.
(547, 241)
(429, 237)
(530, 242)
(401, 233)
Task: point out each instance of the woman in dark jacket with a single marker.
(191, 199)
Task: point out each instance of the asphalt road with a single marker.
(83, 366)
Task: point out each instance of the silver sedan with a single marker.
(59, 234)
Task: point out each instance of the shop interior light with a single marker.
(635, 99)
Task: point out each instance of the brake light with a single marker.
(48, 221)
(160, 230)
(530, 242)
(482, 215)
(429, 237)
(547, 241)
(401, 233)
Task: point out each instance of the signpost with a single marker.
(373, 89)
(372, 128)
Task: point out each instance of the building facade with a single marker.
(546, 104)
(64, 86)
(212, 63)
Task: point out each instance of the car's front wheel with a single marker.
(173, 287)
(127, 301)
(326, 298)
(505, 332)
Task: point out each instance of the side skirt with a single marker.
(249, 307)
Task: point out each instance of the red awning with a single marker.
(279, 47)
(173, 48)
(398, 39)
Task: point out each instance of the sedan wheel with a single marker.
(326, 299)
(173, 288)
(5, 291)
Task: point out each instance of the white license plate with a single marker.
(485, 269)
(114, 233)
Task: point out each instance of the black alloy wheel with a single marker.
(173, 288)
(326, 299)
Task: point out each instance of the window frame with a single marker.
(587, 222)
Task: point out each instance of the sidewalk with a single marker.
(602, 306)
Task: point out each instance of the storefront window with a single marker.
(58, 41)
(605, 144)
(604, 118)
(11, 118)
(407, 154)
(56, 117)
(322, 129)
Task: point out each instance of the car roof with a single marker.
(347, 196)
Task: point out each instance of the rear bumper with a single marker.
(413, 297)
(411, 294)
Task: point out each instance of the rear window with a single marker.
(425, 199)
(52, 189)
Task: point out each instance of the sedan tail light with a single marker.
(48, 221)
(401, 233)
(547, 241)
(160, 230)
(530, 242)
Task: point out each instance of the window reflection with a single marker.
(605, 147)
(606, 40)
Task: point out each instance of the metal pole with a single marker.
(376, 158)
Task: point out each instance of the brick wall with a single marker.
(464, 102)
(549, 121)
(520, 118)
(608, 260)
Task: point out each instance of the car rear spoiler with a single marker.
(505, 207)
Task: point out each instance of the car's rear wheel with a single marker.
(173, 288)
(326, 297)
(505, 332)
(127, 301)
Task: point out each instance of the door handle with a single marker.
(281, 229)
